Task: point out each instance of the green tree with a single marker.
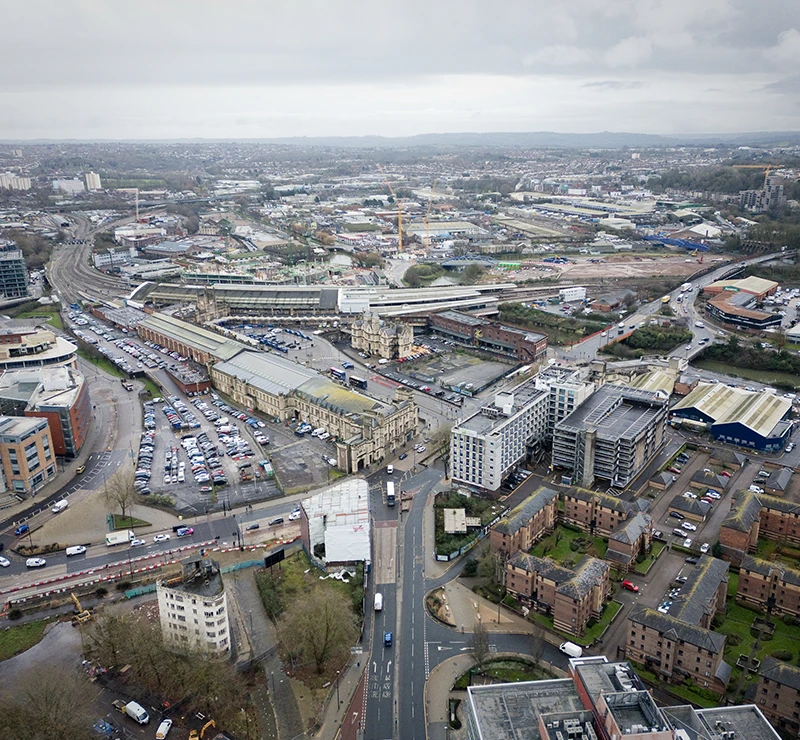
(471, 274)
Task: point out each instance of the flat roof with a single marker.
(490, 418)
(510, 711)
(615, 412)
(195, 336)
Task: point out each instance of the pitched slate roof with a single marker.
(768, 567)
(700, 589)
(780, 481)
(710, 480)
(604, 499)
(588, 573)
(520, 515)
(629, 532)
(676, 629)
(780, 672)
(690, 505)
(545, 567)
(745, 511)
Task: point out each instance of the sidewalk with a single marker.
(467, 608)
(437, 694)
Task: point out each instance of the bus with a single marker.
(390, 498)
(337, 373)
(665, 299)
(358, 382)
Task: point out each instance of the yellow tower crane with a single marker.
(765, 167)
(399, 210)
(428, 216)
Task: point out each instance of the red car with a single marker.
(630, 586)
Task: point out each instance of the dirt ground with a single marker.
(615, 266)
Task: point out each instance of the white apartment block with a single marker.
(487, 446)
(14, 182)
(574, 293)
(92, 181)
(193, 608)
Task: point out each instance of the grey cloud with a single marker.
(785, 86)
(616, 84)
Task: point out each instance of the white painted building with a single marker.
(92, 181)
(572, 294)
(193, 609)
(487, 446)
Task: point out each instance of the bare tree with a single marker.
(479, 642)
(319, 626)
(119, 492)
(490, 566)
(46, 704)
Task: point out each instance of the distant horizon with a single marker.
(475, 136)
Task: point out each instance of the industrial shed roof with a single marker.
(269, 373)
(721, 404)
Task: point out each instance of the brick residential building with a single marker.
(526, 524)
(675, 650)
(769, 586)
(778, 695)
(594, 512)
(758, 515)
(571, 596)
(631, 540)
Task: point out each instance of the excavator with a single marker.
(81, 615)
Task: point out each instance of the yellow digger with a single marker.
(81, 615)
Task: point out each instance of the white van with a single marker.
(317, 431)
(571, 649)
(75, 550)
(137, 712)
(378, 601)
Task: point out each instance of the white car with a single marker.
(137, 543)
(389, 469)
(4, 562)
(294, 515)
(163, 729)
(688, 525)
(60, 506)
(705, 547)
(687, 543)
(35, 563)
(161, 538)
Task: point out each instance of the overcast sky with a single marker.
(260, 68)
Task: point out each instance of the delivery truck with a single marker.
(119, 538)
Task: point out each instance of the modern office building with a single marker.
(612, 436)
(193, 608)
(379, 338)
(58, 394)
(490, 444)
(567, 388)
(26, 454)
(13, 273)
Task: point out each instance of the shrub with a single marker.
(470, 569)
(15, 614)
(574, 545)
(123, 586)
(782, 655)
(789, 620)
(101, 592)
(734, 640)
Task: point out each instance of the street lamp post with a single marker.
(338, 702)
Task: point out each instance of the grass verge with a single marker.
(102, 363)
(128, 522)
(20, 637)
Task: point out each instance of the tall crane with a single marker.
(399, 210)
(428, 216)
(765, 167)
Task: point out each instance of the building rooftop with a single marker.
(15, 427)
(752, 284)
(201, 339)
(201, 577)
(677, 629)
(720, 404)
(690, 506)
(655, 380)
(268, 372)
(338, 516)
(521, 514)
(700, 590)
(511, 711)
(741, 722)
(615, 412)
(586, 575)
(506, 405)
(780, 672)
(745, 511)
(43, 388)
(631, 530)
(768, 567)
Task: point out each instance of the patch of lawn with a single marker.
(50, 315)
(506, 670)
(773, 550)
(151, 387)
(686, 692)
(102, 363)
(20, 637)
(647, 563)
(567, 546)
(738, 621)
(128, 522)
